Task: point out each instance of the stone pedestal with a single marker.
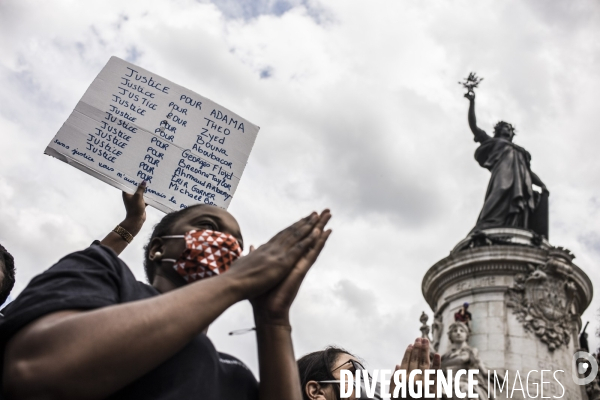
(526, 298)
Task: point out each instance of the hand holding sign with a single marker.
(132, 126)
(135, 216)
(135, 209)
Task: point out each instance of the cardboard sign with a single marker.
(132, 125)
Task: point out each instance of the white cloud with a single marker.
(361, 112)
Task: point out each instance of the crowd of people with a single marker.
(87, 329)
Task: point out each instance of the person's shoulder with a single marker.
(96, 268)
(87, 275)
(97, 250)
(87, 279)
(245, 386)
(230, 360)
(94, 257)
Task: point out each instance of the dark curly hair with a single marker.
(163, 228)
(9, 274)
(502, 124)
(317, 366)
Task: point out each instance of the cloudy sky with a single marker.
(360, 111)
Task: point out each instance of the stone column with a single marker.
(526, 298)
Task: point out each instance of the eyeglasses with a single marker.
(359, 385)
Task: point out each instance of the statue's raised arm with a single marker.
(480, 135)
(470, 83)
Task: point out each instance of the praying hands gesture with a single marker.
(273, 306)
(416, 357)
(279, 376)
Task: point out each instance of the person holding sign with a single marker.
(117, 240)
(86, 329)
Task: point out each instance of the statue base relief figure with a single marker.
(462, 356)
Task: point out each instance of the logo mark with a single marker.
(580, 367)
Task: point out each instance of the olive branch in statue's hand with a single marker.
(470, 83)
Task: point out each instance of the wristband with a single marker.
(119, 230)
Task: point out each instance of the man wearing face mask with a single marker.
(86, 329)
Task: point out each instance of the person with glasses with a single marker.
(87, 329)
(320, 371)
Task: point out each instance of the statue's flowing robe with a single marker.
(509, 198)
(451, 361)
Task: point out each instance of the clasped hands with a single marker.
(417, 357)
(275, 270)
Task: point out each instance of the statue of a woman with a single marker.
(462, 356)
(509, 200)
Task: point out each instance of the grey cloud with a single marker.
(565, 15)
(373, 172)
(362, 301)
(591, 241)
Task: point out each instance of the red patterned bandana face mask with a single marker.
(208, 253)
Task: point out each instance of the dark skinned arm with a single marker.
(92, 354)
(135, 216)
(279, 376)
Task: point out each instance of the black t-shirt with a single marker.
(95, 278)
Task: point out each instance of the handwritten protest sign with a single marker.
(133, 125)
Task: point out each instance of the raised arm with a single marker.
(480, 135)
(135, 216)
(92, 354)
(279, 376)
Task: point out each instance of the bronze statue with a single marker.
(510, 200)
